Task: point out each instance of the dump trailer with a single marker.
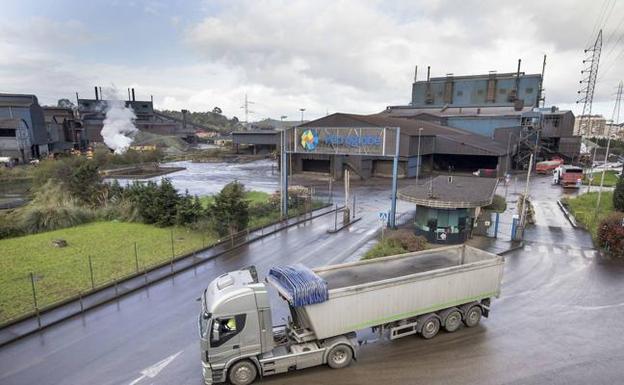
(410, 294)
(568, 176)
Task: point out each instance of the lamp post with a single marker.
(418, 155)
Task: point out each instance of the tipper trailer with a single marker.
(397, 296)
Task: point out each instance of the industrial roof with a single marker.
(10, 123)
(411, 127)
(451, 192)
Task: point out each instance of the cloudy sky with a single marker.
(324, 56)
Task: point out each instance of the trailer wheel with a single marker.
(452, 321)
(339, 356)
(242, 373)
(473, 316)
(430, 328)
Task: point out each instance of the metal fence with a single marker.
(48, 288)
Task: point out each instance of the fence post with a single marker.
(91, 271)
(81, 304)
(203, 240)
(34, 292)
(136, 257)
(172, 251)
(336, 217)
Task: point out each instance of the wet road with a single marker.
(557, 321)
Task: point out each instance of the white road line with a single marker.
(589, 253)
(574, 252)
(527, 247)
(556, 250)
(543, 249)
(152, 371)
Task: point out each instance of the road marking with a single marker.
(543, 249)
(152, 371)
(589, 253)
(574, 252)
(556, 250)
(527, 247)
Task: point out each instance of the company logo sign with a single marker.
(352, 140)
(309, 140)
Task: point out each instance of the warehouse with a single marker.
(425, 147)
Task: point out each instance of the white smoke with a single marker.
(119, 129)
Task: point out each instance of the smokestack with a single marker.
(96, 93)
(77, 104)
(428, 72)
(133, 99)
(152, 98)
(415, 74)
(129, 95)
(518, 72)
(101, 94)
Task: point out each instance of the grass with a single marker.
(64, 272)
(583, 207)
(254, 197)
(610, 179)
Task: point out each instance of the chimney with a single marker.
(415, 74)
(101, 94)
(428, 72)
(133, 99)
(96, 93)
(129, 98)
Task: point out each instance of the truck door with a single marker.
(225, 338)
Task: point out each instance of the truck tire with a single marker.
(339, 356)
(242, 373)
(452, 321)
(430, 328)
(473, 316)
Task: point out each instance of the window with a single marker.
(529, 90)
(224, 328)
(7, 132)
(479, 92)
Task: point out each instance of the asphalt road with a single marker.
(557, 321)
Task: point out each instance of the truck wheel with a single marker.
(243, 373)
(339, 356)
(452, 321)
(430, 328)
(473, 316)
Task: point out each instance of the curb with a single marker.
(568, 215)
(147, 283)
(514, 248)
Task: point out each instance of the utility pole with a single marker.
(526, 194)
(588, 84)
(418, 153)
(618, 100)
(245, 106)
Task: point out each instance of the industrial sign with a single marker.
(344, 140)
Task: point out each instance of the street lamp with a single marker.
(302, 109)
(418, 165)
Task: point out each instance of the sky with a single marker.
(323, 56)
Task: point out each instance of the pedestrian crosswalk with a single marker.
(562, 251)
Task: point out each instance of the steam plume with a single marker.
(119, 129)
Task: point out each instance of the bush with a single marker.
(385, 248)
(618, 194)
(230, 209)
(408, 240)
(611, 234)
(498, 204)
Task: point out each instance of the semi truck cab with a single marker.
(239, 342)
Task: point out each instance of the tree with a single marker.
(167, 202)
(65, 103)
(618, 194)
(189, 210)
(85, 183)
(217, 110)
(230, 210)
(611, 234)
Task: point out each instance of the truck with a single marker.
(568, 176)
(547, 166)
(416, 293)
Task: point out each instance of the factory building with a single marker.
(92, 113)
(22, 127)
(501, 106)
(425, 147)
(65, 132)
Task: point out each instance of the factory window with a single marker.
(145, 106)
(460, 93)
(529, 90)
(502, 91)
(7, 132)
(479, 92)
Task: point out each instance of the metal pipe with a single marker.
(395, 171)
(428, 72)
(96, 93)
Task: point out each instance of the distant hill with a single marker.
(210, 120)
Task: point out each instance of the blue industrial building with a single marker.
(503, 107)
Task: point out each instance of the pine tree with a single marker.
(230, 210)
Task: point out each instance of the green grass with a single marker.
(610, 179)
(64, 272)
(254, 197)
(583, 207)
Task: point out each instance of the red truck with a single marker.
(568, 176)
(548, 166)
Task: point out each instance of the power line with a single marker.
(588, 84)
(598, 22)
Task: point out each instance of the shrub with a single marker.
(498, 204)
(408, 240)
(618, 194)
(384, 248)
(230, 209)
(611, 234)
